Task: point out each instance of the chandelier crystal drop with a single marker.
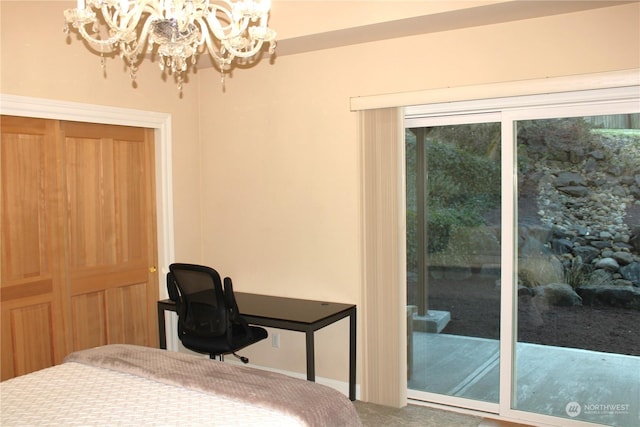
(176, 30)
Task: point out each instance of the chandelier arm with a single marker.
(204, 31)
(154, 10)
(227, 31)
(140, 43)
(255, 43)
(199, 11)
(124, 23)
(256, 46)
(110, 19)
(215, 53)
(227, 10)
(102, 46)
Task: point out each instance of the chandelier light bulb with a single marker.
(176, 30)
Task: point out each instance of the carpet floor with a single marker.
(373, 415)
(412, 415)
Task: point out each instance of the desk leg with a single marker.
(162, 333)
(311, 364)
(352, 355)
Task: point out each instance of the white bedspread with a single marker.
(130, 385)
(73, 394)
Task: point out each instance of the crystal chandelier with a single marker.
(177, 30)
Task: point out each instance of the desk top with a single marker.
(282, 309)
(288, 309)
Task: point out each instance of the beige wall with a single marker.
(283, 174)
(267, 173)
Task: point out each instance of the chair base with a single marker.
(243, 359)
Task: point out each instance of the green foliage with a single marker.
(462, 185)
(555, 139)
(459, 177)
(552, 131)
(443, 222)
(576, 273)
(482, 140)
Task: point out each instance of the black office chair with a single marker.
(208, 318)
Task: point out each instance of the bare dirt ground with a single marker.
(474, 305)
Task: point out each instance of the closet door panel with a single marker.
(134, 318)
(32, 284)
(109, 193)
(88, 314)
(27, 322)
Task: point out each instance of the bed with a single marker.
(131, 385)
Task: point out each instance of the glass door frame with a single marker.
(452, 120)
(510, 110)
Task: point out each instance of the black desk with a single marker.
(291, 314)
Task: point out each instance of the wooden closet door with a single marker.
(111, 234)
(78, 240)
(32, 285)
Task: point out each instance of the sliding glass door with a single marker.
(523, 257)
(453, 257)
(578, 268)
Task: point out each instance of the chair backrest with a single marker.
(200, 300)
(234, 313)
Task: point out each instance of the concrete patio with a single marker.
(585, 385)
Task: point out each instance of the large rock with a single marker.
(600, 244)
(561, 246)
(575, 190)
(634, 240)
(616, 296)
(587, 253)
(565, 179)
(631, 272)
(559, 294)
(623, 258)
(608, 264)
